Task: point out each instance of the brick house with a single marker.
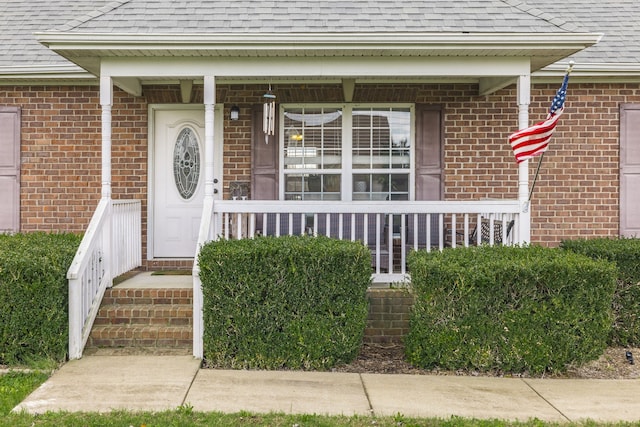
(151, 118)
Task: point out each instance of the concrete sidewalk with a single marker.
(155, 383)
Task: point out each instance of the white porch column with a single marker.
(106, 101)
(524, 98)
(209, 105)
(198, 300)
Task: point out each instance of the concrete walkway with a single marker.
(155, 383)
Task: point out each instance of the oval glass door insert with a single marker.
(186, 163)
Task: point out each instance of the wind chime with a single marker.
(269, 115)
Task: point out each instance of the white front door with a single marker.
(177, 179)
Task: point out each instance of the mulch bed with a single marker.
(389, 359)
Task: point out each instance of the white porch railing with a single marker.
(127, 236)
(389, 230)
(112, 245)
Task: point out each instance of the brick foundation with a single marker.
(389, 311)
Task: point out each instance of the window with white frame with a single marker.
(346, 152)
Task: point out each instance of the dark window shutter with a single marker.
(629, 170)
(264, 161)
(429, 153)
(10, 169)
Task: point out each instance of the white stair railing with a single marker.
(205, 235)
(111, 246)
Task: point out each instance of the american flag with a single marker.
(534, 140)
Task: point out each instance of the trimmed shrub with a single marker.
(508, 309)
(34, 296)
(295, 302)
(625, 253)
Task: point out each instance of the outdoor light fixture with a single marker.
(234, 114)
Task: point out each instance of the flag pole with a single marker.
(535, 178)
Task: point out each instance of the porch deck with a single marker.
(157, 280)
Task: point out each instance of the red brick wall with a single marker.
(577, 192)
(60, 155)
(576, 195)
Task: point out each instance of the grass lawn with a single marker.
(186, 418)
(15, 386)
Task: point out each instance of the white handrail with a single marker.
(111, 246)
(395, 207)
(204, 236)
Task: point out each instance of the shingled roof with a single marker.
(619, 21)
(20, 19)
(303, 16)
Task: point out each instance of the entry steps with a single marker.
(147, 313)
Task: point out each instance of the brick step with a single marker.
(145, 314)
(155, 296)
(151, 318)
(141, 336)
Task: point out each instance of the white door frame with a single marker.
(217, 155)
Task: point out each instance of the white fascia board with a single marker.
(306, 41)
(319, 67)
(591, 71)
(45, 72)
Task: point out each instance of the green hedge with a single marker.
(625, 253)
(34, 296)
(509, 309)
(286, 302)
